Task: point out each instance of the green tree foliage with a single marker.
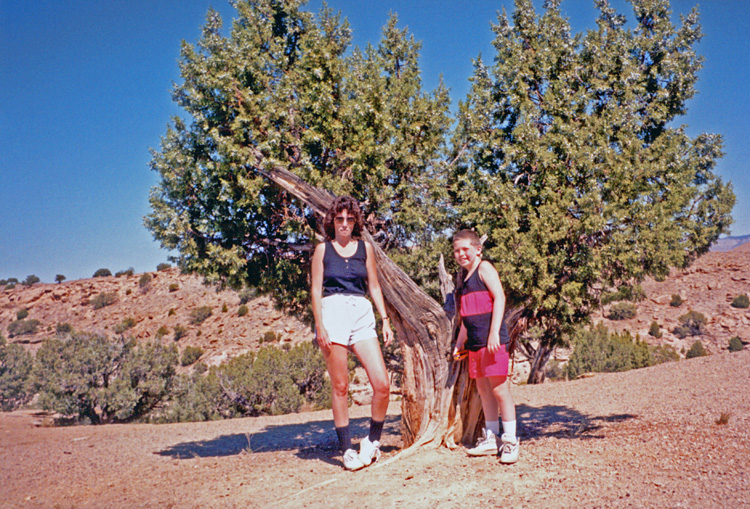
(127, 272)
(102, 273)
(597, 350)
(282, 89)
(60, 278)
(31, 280)
(103, 380)
(145, 281)
(676, 301)
(573, 162)
(22, 313)
(163, 266)
(15, 367)
(242, 310)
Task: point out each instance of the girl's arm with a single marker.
(316, 295)
(491, 279)
(376, 293)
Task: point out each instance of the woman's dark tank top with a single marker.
(345, 276)
(476, 313)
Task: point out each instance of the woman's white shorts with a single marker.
(348, 319)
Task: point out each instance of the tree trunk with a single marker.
(538, 361)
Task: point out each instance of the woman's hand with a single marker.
(321, 335)
(387, 332)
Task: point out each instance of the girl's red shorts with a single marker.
(482, 363)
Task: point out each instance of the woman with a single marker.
(343, 269)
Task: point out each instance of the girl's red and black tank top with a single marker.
(475, 304)
(345, 276)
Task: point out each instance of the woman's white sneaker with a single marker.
(352, 461)
(369, 451)
(486, 444)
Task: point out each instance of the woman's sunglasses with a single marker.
(342, 220)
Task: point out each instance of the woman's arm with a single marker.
(491, 280)
(376, 293)
(316, 295)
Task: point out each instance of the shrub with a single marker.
(676, 301)
(555, 370)
(654, 330)
(269, 337)
(102, 273)
(741, 301)
(144, 281)
(12, 281)
(246, 294)
(273, 381)
(622, 311)
(242, 311)
(126, 324)
(173, 287)
(697, 350)
(31, 280)
(599, 351)
(179, 332)
(22, 313)
(163, 266)
(3, 282)
(199, 315)
(632, 293)
(103, 380)
(161, 332)
(23, 327)
(664, 353)
(692, 323)
(10, 286)
(15, 368)
(171, 312)
(128, 272)
(190, 354)
(63, 328)
(60, 278)
(735, 344)
(224, 308)
(104, 299)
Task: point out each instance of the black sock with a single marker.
(345, 438)
(376, 429)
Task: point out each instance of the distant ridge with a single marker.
(729, 243)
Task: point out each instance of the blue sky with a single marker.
(85, 93)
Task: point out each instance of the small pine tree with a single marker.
(735, 344)
(654, 330)
(696, 350)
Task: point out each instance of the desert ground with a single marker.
(645, 438)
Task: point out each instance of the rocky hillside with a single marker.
(170, 299)
(708, 287)
(167, 302)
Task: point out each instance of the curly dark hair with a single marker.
(352, 207)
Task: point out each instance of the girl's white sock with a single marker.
(493, 426)
(509, 428)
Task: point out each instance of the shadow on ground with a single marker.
(562, 422)
(312, 440)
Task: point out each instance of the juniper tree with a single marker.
(282, 90)
(574, 164)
